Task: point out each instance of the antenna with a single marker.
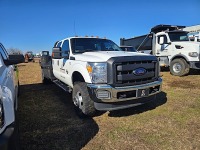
(74, 28)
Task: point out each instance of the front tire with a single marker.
(84, 105)
(179, 67)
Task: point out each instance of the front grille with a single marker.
(125, 76)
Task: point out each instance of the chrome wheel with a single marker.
(78, 100)
(177, 67)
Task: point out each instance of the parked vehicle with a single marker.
(194, 36)
(172, 47)
(29, 56)
(194, 32)
(9, 88)
(100, 75)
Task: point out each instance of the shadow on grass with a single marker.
(48, 120)
(160, 99)
(194, 72)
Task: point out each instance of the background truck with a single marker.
(29, 56)
(194, 36)
(100, 75)
(9, 88)
(172, 47)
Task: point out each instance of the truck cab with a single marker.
(100, 75)
(9, 88)
(174, 49)
(171, 45)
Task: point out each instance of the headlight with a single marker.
(1, 114)
(97, 72)
(193, 54)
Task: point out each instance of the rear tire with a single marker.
(179, 67)
(44, 80)
(84, 105)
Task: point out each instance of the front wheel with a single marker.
(84, 105)
(179, 67)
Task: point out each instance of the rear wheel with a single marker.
(84, 105)
(44, 80)
(179, 67)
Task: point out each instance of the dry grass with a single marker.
(48, 120)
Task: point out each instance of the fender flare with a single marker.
(83, 71)
(179, 56)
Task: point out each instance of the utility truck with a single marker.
(100, 75)
(171, 45)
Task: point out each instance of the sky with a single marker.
(35, 25)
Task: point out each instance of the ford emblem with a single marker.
(139, 71)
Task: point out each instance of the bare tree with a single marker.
(14, 51)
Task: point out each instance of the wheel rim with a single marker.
(78, 100)
(177, 67)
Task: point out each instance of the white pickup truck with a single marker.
(101, 75)
(9, 85)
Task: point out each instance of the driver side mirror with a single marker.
(161, 40)
(14, 59)
(56, 53)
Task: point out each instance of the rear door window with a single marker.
(3, 52)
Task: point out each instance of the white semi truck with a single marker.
(172, 47)
(100, 75)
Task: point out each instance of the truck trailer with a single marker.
(171, 45)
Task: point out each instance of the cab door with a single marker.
(162, 48)
(8, 81)
(65, 62)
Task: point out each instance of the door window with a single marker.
(165, 38)
(58, 44)
(3, 52)
(65, 48)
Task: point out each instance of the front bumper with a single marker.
(195, 64)
(6, 136)
(123, 94)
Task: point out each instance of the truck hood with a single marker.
(188, 45)
(102, 56)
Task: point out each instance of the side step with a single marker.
(63, 86)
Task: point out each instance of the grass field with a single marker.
(48, 121)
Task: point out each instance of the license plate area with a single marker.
(143, 92)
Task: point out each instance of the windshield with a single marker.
(178, 36)
(81, 45)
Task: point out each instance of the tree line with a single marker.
(14, 51)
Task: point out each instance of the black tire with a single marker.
(45, 80)
(19, 90)
(179, 67)
(84, 105)
(14, 143)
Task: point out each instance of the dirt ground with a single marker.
(48, 121)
